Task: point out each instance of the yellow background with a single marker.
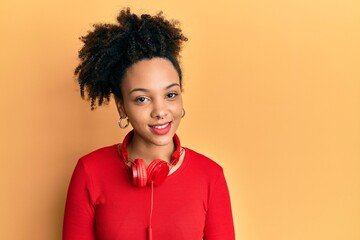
(272, 93)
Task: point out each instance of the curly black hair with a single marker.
(110, 49)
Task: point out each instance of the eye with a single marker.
(171, 95)
(141, 99)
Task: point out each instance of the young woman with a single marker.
(149, 186)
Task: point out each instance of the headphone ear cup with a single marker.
(139, 173)
(157, 172)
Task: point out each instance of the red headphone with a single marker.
(158, 169)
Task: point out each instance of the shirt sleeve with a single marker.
(219, 221)
(79, 209)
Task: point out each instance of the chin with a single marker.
(163, 140)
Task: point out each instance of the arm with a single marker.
(79, 210)
(219, 222)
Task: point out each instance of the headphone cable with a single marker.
(151, 211)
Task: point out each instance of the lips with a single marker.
(161, 129)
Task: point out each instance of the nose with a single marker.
(159, 110)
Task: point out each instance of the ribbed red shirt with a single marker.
(192, 204)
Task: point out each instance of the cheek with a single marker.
(177, 109)
(137, 115)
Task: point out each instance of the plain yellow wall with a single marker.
(272, 93)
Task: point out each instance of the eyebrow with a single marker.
(146, 90)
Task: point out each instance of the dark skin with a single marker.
(152, 99)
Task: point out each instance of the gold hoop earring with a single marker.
(183, 113)
(126, 124)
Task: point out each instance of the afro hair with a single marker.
(109, 49)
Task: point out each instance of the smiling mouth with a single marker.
(160, 126)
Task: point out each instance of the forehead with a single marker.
(150, 73)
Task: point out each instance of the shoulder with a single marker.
(203, 163)
(100, 156)
(202, 159)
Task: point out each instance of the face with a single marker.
(152, 100)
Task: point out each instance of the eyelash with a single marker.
(174, 95)
(170, 95)
(139, 98)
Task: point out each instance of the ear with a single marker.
(120, 107)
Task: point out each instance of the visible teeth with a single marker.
(161, 127)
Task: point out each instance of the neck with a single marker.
(138, 148)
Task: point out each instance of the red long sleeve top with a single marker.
(192, 204)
